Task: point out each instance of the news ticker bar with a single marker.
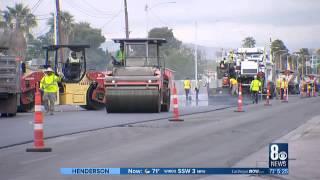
(173, 171)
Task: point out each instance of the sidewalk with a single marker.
(304, 155)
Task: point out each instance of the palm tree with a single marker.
(67, 25)
(20, 18)
(277, 48)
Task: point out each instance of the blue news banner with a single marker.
(278, 165)
(171, 171)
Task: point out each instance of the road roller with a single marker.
(139, 80)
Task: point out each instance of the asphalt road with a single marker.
(70, 119)
(214, 139)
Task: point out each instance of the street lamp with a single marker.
(147, 8)
(274, 53)
(281, 60)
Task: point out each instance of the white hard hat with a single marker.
(255, 77)
(49, 69)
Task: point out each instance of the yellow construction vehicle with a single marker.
(78, 87)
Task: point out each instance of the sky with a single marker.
(220, 23)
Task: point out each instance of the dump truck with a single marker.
(141, 83)
(243, 64)
(10, 75)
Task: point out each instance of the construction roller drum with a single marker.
(133, 99)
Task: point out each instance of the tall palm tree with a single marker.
(20, 18)
(67, 25)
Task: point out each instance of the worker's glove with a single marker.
(60, 74)
(259, 92)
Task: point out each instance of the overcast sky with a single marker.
(221, 23)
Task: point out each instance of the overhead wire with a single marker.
(96, 9)
(35, 6)
(160, 20)
(112, 18)
(75, 6)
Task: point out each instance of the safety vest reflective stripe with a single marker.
(74, 60)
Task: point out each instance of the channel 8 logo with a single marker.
(278, 155)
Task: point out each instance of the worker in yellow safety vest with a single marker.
(278, 87)
(255, 87)
(234, 86)
(309, 89)
(49, 87)
(120, 56)
(187, 87)
(284, 87)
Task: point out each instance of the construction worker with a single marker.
(234, 86)
(278, 87)
(255, 87)
(222, 63)
(309, 89)
(49, 87)
(73, 58)
(187, 87)
(120, 56)
(283, 86)
(73, 66)
(197, 89)
(301, 87)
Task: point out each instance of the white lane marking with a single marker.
(39, 159)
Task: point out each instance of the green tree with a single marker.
(178, 57)
(165, 33)
(67, 26)
(277, 48)
(248, 42)
(318, 52)
(303, 58)
(83, 33)
(278, 45)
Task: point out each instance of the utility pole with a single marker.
(58, 30)
(196, 54)
(126, 18)
(146, 9)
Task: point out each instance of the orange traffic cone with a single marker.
(38, 126)
(240, 103)
(268, 96)
(175, 105)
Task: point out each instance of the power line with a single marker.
(75, 6)
(160, 20)
(112, 18)
(96, 9)
(35, 7)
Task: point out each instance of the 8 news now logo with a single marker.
(278, 155)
